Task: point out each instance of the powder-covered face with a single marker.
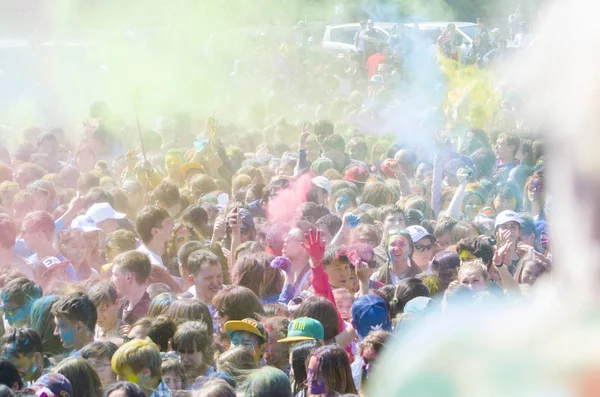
(398, 249)
(472, 205)
(173, 163)
(535, 190)
(343, 204)
(16, 315)
(65, 330)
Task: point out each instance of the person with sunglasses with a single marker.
(424, 246)
(18, 295)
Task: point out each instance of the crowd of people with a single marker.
(272, 259)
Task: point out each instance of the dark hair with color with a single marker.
(334, 365)
(322, 310)
(190, 309)
(299, 355)
(331, 222)
(104, 292)
(237, 303)
(21, 291)
(130, 389)
(25, 341)
(192, 337)
(42, 321)
(161, 331)
(9, 375)
(76, 307)
(99, 350)
(267, 382)
(149, 218)
(406, 290)
(160, 304)
(247, 272)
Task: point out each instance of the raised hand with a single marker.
(234, 222)
(501, 253)
(304, 136)
(315, 247)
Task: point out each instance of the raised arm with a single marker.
(315, 247)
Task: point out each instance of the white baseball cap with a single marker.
(85, 223)
(102, 211)
(417, 233)
(507, 216)
(322, 182)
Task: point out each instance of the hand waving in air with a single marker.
(315, 247)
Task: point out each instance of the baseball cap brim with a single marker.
(88, 229)
(431, 236)
(295, 339)
(119, 215)
(232, 326)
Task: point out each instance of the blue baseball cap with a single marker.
(55, 383)
(370, 313)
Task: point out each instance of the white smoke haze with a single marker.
(548, 346)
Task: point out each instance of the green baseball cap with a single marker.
(304, 328)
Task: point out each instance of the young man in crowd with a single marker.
(506, 149)
(250, 334)
(173, 162)
(105, 298)
(130, 273)
(37, 231)
(166, 195)
(75, 319)
(154, 225)
(334, 148)
(99, 354)
(203, 271)
(508, 232)
(337, 266)
(23, 347)
(194, 344)
(139, 361)
(18, 296)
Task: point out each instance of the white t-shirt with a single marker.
(155, 259)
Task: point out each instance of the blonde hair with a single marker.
(240, 181)
(475, 265)
(137, 355)
(238, 362)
